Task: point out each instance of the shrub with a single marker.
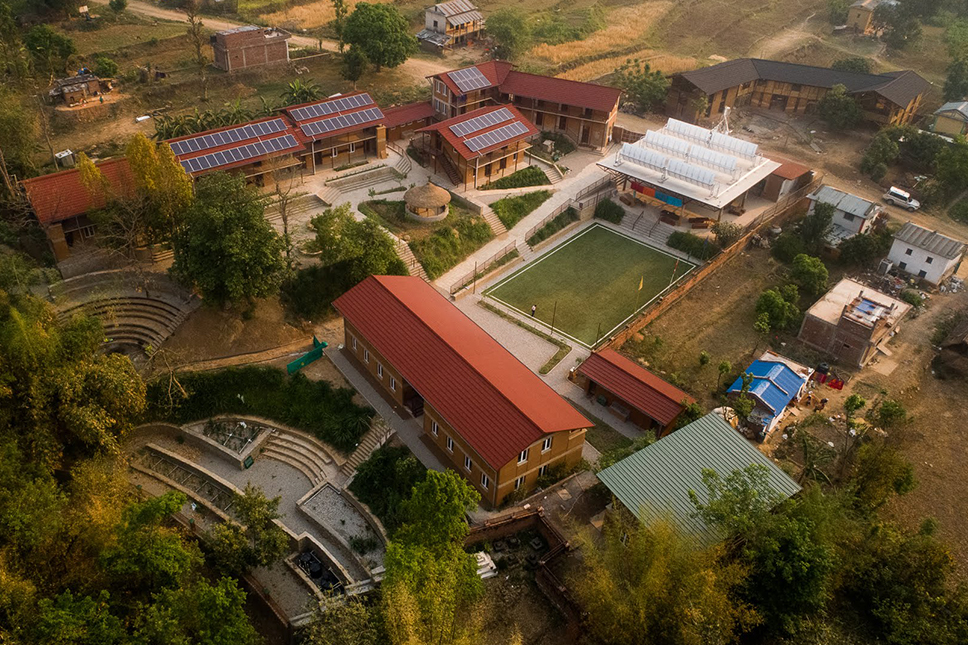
(314, 406)
(697, 247)
(727, 233)
(912, 297)
(310, 292)
(530, 176)
(385, 481)
(512, 210)
(562, 143)
(810, 273)
(105, 67)
(117, 6)
(788, 246)
(609, 211)
(552, 227)
(450, 243)
(864, 250)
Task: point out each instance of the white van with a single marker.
(897, 197)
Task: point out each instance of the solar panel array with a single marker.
(692, 174)
(689, 152)
(644, 156)
(241, 153)
(688, 130)
(343, 121)
(331, 107)
(733, 145)
(465, 128)
(495, 137)
(672, 167)
(469, 79)
(708, 157)
(215, 139)
(673, 145)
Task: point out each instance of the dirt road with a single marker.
(416, 68)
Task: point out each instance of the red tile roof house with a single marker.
(631, 392)
(478, 147)
(493, 419)
(61, 203)
(584, 112)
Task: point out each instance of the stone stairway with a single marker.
(330, 196)
(364, 179)
(413, 265)
(297, 206)
(301, 451)
(497, 226)
(551, 170)
(378, 434)
(648, 227)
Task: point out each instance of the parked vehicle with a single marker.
(897, 197)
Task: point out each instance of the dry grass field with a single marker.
(596, 69)
(304, 16)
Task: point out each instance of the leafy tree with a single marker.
(49, 49)
(956, 39)
(837, 11)
(880, 473)
(690, 412)
(14, 58)
(890, 414)
(646, 584)
(645, 86)
(361, 247)
(381, 33)
(385, 480)
(779, 305)
(810, 273)
(952, 167)
(117, 6)
(80, 620)
(704, 359)
(814, 227)
(864, 250)
(258, 542)
(724, 368)
(163, 183)
(354, 65)
(299, 91)
(839, 109)
(104, 67)
(196, 35)
(727, 233)
(18, 133)
(762, 327)
(956, 81)
(349, 622)
(902, 26)
(225, 247)
(787, 246)
(918, 150)
(789, 553)
(511, 30)
(339, 21)
(881, 152)
(856, 64)
(435, 513)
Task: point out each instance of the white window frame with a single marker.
(335, 152)
(468, 464)
(546, 445)
(434, 428)
(518, 483)
(485, 481)
(379, 369)
(393, 384)
(542, 470)
(352, 147)
(354, 342)
(366, 355)
(450, 444)
(523, 456)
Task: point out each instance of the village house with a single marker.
(486, 414)
(951, 119)
(776, 382)
(451, 24)
(655, 483)
(852, 322)
(926, 254)
(583, 112)
(631, 392)
(852, 215)
(250, 46)
(480, 146)
(75, 90)
(860, 15)
(892, 98)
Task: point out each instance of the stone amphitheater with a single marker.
(138, 311)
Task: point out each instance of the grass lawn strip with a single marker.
(603, 437)
(593, 277)
(563, 348)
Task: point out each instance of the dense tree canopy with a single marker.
(643, 85)
(381, 33)
(839, 109)
(512, 31)
(50, 50)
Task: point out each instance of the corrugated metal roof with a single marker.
(930, 241)
(655, 481)
(489, 397)
(635, 385)
(774, 384)
(62, 195)
(455, 7)
(845, 201)
(959, 107)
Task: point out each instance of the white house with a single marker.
(926, 254)
(852, 215)
(451, 24)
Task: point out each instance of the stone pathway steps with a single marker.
(330, 196)
(413, 265)
(297, 206)
(378, 434)
(647, 227)
(497, 226)
(302, 452)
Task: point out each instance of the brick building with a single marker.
(250, 46)
(890, 98)
(75, 90)
(852, 322)
(489, 417)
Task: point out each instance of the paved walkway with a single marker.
(409, 430)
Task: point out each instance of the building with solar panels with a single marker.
(451, 24)
(585, 113)
(480, 146)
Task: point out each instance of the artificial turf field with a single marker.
(594, 278)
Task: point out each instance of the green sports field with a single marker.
(594, 278)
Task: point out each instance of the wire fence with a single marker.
(481, 267)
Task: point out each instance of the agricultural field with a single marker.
(126, 30)
(588, 286)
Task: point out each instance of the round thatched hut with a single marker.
(427, 203)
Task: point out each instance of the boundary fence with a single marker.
(481, 267)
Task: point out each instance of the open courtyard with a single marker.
(591, 284)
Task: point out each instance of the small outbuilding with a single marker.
(78, 89)
(776, 383)
(852, 215)
(926, 254)
(427, 203)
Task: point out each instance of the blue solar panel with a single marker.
(242, 153)
(339, 122)
(465, 128)
(495, 137)
(331, 107)
(215, 139)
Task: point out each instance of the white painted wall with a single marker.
(430, 15)
(917, 261)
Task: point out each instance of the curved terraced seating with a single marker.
(302, 451)
(295, 459)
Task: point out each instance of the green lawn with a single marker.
(594, 279)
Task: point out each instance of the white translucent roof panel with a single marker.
(658, 141)
(707, 157)
(643, 156)
(733, 145)
(688, 130)
(692, 174)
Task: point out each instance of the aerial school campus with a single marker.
(328, 322)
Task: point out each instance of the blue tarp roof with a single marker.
(774, 384)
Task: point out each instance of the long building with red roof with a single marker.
(583, 112)
(495, 421)
(632, 392)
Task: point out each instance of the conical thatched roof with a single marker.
(426, 196)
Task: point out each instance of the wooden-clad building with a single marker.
(340, 130)
(490, 418)
(451, 24)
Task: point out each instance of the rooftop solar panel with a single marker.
(707, 157)
(215, 139)
(241, 153)
(339, 122)
(331, 107)
(495, 137)
(688, 130)
(465, 128)
(468, 80)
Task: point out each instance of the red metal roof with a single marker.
(789, 169)
(61, 195)
(245, 162)
(404, 114)
(494, 70)
(458, 142)
(635, 385)
(491, 399)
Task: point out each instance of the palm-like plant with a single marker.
(301, 92)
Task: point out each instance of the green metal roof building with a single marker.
(654, 483)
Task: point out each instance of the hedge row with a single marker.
(698, 247)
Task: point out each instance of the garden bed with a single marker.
(511, 210)
(530, 176)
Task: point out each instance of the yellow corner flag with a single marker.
(641, 282)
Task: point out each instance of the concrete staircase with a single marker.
(497, 226)
(551, 170)
(365, 179)
(413, 265)
(648, 227)
(378, 434)
(330, 196)
(303, 452)
(297, 206)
